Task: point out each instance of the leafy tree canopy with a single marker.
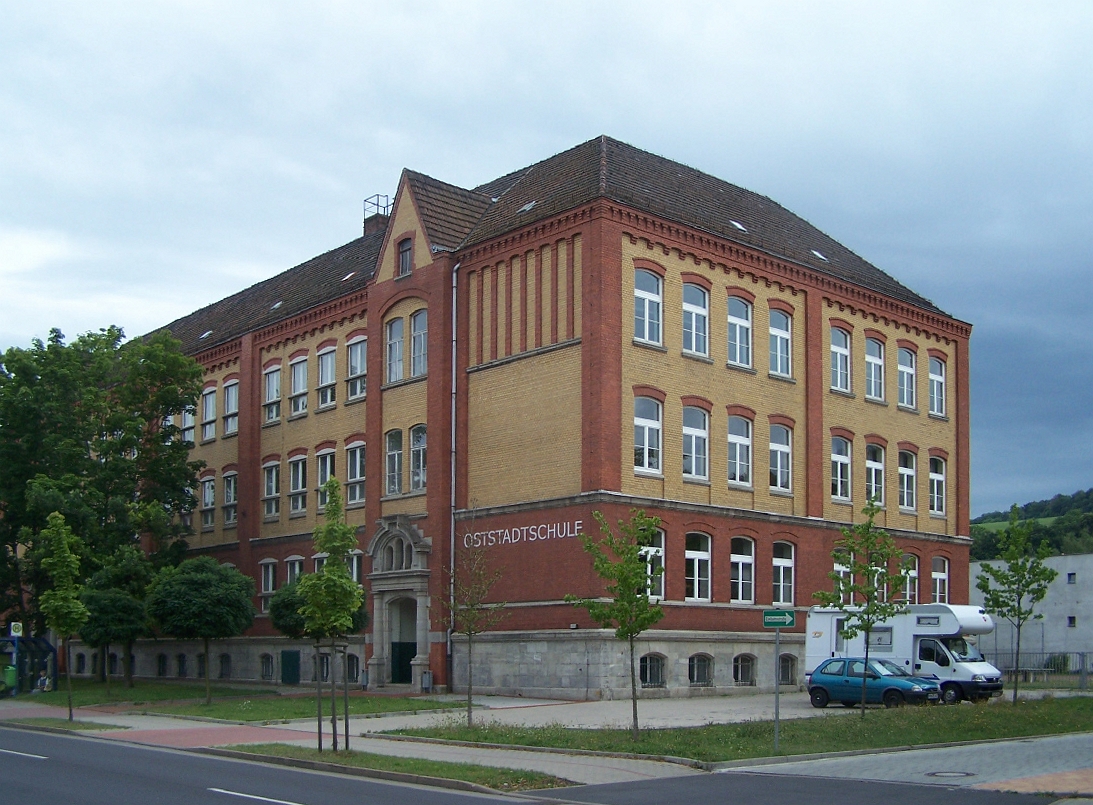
(201, 599)
(330, 597)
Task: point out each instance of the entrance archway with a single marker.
(403, 619)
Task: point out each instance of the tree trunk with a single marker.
(865, 674)
(470, 676)
(208, 684)
(633, 693)
(333, 700)
(318, 698)
(68, 674)
(1017, 663)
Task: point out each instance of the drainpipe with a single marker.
(451, 477)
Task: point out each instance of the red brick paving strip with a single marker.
(213, 735)
(1070, 782)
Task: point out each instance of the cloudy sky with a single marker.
(155, 157)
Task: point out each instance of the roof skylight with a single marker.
(347, 276)
(527, 207)
(738, 225)
(275, 305)
(204, 335)
(820, 256)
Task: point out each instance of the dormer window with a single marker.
(405, 257)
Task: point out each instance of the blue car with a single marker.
(839, 679)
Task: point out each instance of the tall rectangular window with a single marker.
(298, 402)
(394, 462)
(357, 369)
(739, 451)
(327, 378)
(937, 485)
(325, 465)
(394, 350)
(294, 568)
(739, 332)
(780, 335)
(937, 387)
(696, 317)
(297, 485)
(354, 474)
(940, 576)
(208, 414)
(417, 458)
(874, 369)
(208, 503)
(695, 443)
(906, 378)
(783, 574)
(654, 565)
(647, 305)
(271, 394)
(696, 559)
(188, 425)
(742, 561)
(910, 578)
(874, 473)
(231, 408)
(646, 435)
(405, 257)
(780, 458)
(840, 469)
(271, 490)
(906, 479)
(231, 498)
(419, 343)
(840, 359)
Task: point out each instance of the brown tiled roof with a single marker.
(319, 280)
(447, 212)
(607, 168)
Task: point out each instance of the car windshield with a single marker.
(886, 668)
(962, 650)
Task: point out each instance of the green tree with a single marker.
(331, 597)
(471, 614)
(620, 560)
(201, 600)
(115, 598)
(285, 617)
(82, 432)
(871, 568)
(64, 612)
(1012, 590)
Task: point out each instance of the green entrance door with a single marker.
(290, 667)
(403, 614)
(401, 656)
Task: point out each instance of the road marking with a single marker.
(252, 796)
(23, 754)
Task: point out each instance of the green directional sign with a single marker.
(779, 618)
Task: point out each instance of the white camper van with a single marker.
(929, 640)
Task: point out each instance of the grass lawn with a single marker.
(497, 779)
(89, 692)
(64, 724)
(903, 726)
(283, 708)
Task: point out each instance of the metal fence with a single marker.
(1045, 669)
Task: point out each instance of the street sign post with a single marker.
(778, 619)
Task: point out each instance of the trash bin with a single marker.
(11, 678)
(426, 681)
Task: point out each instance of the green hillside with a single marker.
(1064, 521)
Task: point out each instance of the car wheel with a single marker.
(819, 697)
(892, 698)
(950, 694)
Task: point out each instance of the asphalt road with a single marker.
(46, 769)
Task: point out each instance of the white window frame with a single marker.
(298, 399)
(874, 473)
(231, 407)
(742, 571)
(840, 469)
(267, 570)
(907, 372)
(697, 567)
(910, 578)
(419, 343)
(908, 476)
(843, 572)
(781, 343)
(783, 571)
(208, 502)
(937, 386)
(405, 257)
(271, 490)
(647, 435)
(740, 332)
(271, 393)
(208, 414)
(327, 362)
(418, 457)
(230, 483)
(354, 560)
(356, 368)
(840, 359)
(324, 471)
(189, 422)
(354, 473)
(394, 332)
(648, 305)
(393, 462)
(297, 485)
(937, 485)
(939, 579)
(696, 320)
(696, 444)
(294, 568)
(781, 460)
(740, 464)
(874, 369)
(653, 553)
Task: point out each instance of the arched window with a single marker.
(651, 671)
(840, 359)
(327, 361)
(700, 670)
(394, 350)
(654, 564)
(742, 558)
(181, 665)
(161, 665)
(780, 335)
(906, 378)
(874, 473)
(787, 670)
(81, 663)
(840, 468)
(353, 667)
(225, 671)
(419, 343)
(906, 479)
(780, 458)
(697, 571)
(937, 485)
(696, 313)
(743, 669)
(910, 578)
(267, 667)
(739, 332)
(940, 576)
(647, 305)
(394, 462)
(874, 369)
(646, 435)
(739, 451)
(417, 458)
(695, 443)
(937, 387)
(783, 573)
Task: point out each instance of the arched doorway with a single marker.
(403, 619)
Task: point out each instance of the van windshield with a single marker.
(962, 650)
